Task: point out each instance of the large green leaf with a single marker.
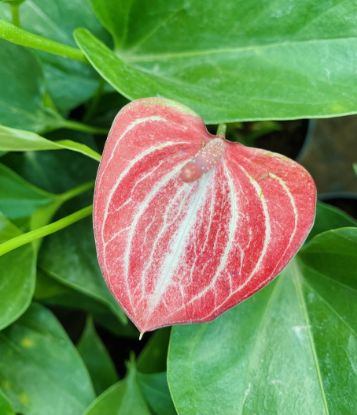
(69, 83)
(124, 398)
(12, 139)
(41, 372)
(22, 91)
(17, 279)
(97, 359)
(231, 59)
(70, 257)
(289, 349)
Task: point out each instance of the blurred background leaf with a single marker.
(5, 407)
(70, 257)
(41, 372)
(22, 91)
(96, 358)
(69, 83)
(18, 273)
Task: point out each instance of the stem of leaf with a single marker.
(84, 128)
(76, 191)
(15, 14)
(221, 130)
(43, 231)
(21, 37)
(94, 102)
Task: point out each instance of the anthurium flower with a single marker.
(188, 224)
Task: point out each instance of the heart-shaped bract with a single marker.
(176, 248)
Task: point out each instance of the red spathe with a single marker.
(178, 251)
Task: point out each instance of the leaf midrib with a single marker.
(298, 285)
(132, 58)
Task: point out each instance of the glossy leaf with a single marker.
(69, 256)
(96, 358)
(20, 140)
(329, 217)
(17, 280)
(230, 60)
(334, 254)
(18, 198)
(156, 392)
(124, 398)
(21, 95)
(174, 251)
(114, 20)
(69, 83)
(41, 168)
(41, 372)
(291, 348)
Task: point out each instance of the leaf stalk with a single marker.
(22, 37)
(43, 231)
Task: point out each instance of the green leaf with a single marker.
(5, 407)
(18, 198)
(22, 91)
(334, 255)
(230, 60)
(51, 292)
(47, 287)
(329, 217)
(113, 325)
(114, 20)
(124, 398)
(70, 257)
(69, 83)
(153, 357)
(41, 168)
(156, 392)
(355, 168)
(96, 358)
(41, 372)
(20, 140)
(17, 281)
(289, 349)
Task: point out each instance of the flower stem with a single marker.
(221, 130)
(21, 37)
(38, 233)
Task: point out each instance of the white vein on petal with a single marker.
(139, 213)
(131, 164)
(181, 196)
(179, 243)
(233, 224)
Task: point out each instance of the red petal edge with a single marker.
(175, 252)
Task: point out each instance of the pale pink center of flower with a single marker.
(204, 161)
